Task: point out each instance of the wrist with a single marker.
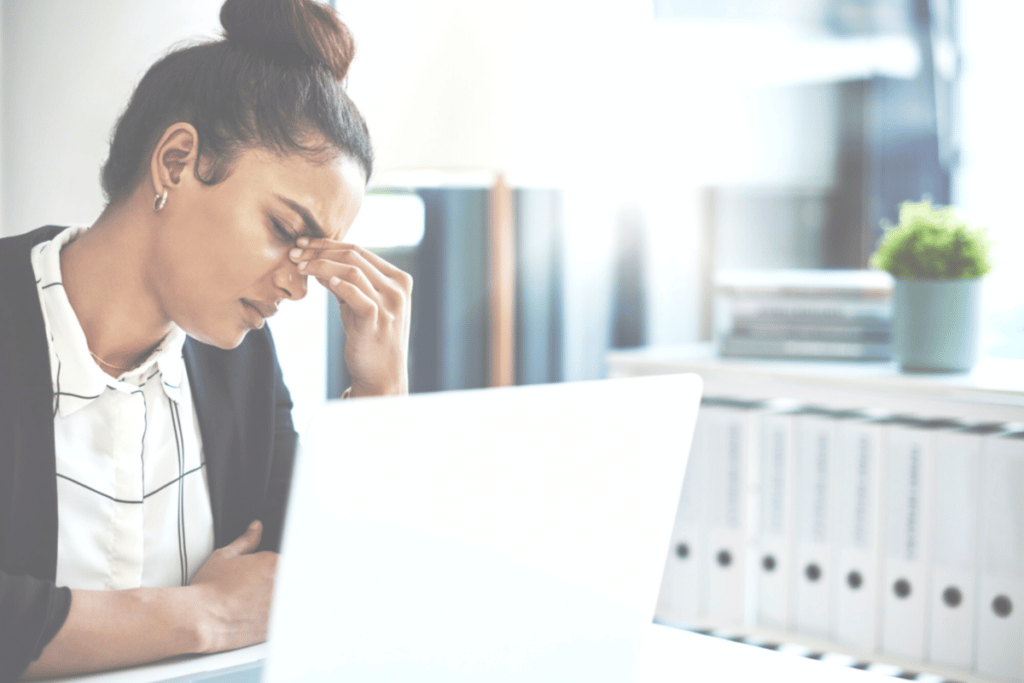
(183, 614)
(359, 389)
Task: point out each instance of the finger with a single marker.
(324, 270)
(353, 297)
(247, 542)
(324, 244)
(393, 291)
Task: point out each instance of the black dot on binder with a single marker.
(724, 558)
(768, 563)
(952, 596)
(854, 580)
(901, 588)
(813, 572)
(1002, 606)
(682, 551)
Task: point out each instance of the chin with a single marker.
(222, 339)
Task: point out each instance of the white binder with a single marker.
(855, 581)
(776, 476)
(1000, 643)
(908, 490)
(682, 586)
(952, 593)
(731, 582)
(815, 492)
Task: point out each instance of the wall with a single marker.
(68, 70)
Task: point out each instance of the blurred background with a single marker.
(569, 176)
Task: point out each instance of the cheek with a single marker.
(236, 268)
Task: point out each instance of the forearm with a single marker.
(113, 629)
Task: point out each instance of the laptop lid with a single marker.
(514, 534)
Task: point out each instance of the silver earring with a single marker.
(160, 200)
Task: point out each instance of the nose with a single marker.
(290, 281)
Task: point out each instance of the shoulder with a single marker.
(18, 246)
(15, 267)
(19, 307)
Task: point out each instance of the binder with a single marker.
(731, 582)
(952, 601)
(1000, 641)
(682, 585)
(776, 477)
(815, 491)
(908, 491)
(855, 581)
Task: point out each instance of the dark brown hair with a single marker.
(276, 82)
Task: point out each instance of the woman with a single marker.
(147, 438)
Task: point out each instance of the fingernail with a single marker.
(302, 266)
(255, 524)
(295, 253)
(335, 281)
(302, 241)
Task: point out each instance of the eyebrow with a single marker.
(311, 225)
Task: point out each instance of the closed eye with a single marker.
(281, 230)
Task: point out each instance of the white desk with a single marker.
(669, 656)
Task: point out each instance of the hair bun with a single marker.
(296, 29)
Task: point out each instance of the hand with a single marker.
(375, 310)
(234, 589)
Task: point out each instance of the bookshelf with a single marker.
(992, 393)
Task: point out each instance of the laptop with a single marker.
(514, 534)
(497, 535)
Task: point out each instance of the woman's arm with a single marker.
(226, 606)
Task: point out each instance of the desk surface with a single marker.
(669, 656)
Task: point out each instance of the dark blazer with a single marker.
(245, 422)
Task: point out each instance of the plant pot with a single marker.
(935, 324)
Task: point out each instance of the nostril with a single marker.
(291, 282)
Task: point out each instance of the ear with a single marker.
(174, 156)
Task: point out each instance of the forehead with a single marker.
(330, 189)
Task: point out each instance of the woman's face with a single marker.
(220, 261)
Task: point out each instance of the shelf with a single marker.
(994, 391)
(801, 644)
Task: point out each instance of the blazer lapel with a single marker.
(218, 427)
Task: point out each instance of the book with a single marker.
(837, 333)
(784, 348)
(859, 284)
(811, 310)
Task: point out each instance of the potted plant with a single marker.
(938, 264)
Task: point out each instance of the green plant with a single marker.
(933, 244)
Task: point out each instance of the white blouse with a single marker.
(133, 504)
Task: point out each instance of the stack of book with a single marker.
(820, 314)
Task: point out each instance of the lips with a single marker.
(259, 311)
(263, 308)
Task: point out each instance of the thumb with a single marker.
(247, 542)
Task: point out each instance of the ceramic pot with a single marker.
(936, 323)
